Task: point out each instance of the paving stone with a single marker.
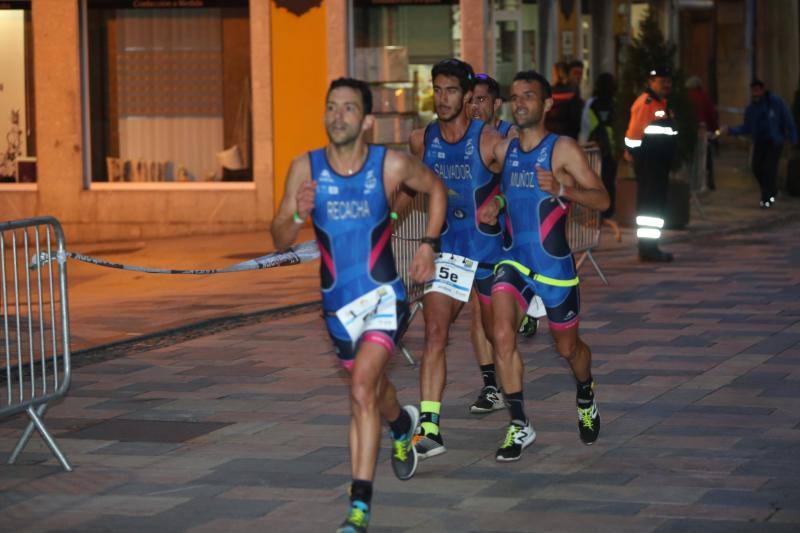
(145, 430)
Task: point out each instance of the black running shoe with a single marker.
(357, 518)
(429, 445)
(490, 399)
(588, 421)
(404, 453)
(518, 437)
(529, 326)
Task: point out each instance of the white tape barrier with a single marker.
(301, 253)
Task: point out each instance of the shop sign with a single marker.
(164, 4)
(373, 3)
(15, 4)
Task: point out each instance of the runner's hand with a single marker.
(547, 182)
(488, 213)
(305, 198)
(422, 266)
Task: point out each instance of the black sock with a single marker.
(361, 490)
(402, 425)
(586, 390)
(516, 407)
(488, 376)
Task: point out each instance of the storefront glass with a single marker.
(17, 139)
(394, 46)
(169, 91)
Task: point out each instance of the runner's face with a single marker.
(481, 106)
(448, 98)
(344, 116)
(528, 104)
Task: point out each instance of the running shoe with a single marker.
(429, 445)
(357, 519)
(518, 437)
(529, 326)
(490, 399)
(404, 453)
(588, 421)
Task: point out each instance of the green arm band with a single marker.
(500, 199)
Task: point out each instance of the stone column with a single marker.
(474, 32)
(777, 47)
(261, 76)
(57, 87)
(338, 38)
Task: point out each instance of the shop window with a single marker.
(395, 45)
(168, 91)
(17, 126)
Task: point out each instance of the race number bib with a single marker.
(536, 308)
(375, 310)
(453, 276)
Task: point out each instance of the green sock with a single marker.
(429, 417)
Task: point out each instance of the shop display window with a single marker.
(394, 47)
(17, 125)
(168, 91)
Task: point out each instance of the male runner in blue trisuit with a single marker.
(542, 174)
(460, 150)
(345, 187)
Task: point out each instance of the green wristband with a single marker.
(393, 215)
(296, 218)
(501, 200)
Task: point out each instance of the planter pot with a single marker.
(677, 210)
(678, 205)
(793, 176)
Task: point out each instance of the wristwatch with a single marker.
(433, 242)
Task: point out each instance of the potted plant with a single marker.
(646, 50)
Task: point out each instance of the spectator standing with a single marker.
(706, 112)
(769, 123)
(597, 126)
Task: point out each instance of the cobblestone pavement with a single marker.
(698, 372)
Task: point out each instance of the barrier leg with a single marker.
(403, 349)
(588, 254)
(698, 205)
(25, 437)
(579, 262)
(36, 421)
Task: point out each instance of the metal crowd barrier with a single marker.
(405, 241)
(583, 224)
(696, 168)
(35, 361)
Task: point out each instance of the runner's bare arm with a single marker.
(298, 198)
(402, 169)
(571, 169)
(490, 138)
(488, 213)
(402, 199)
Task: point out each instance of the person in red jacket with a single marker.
(706, 112)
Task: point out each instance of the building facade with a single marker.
(138, 119)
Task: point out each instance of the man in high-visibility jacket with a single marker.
(650, 143)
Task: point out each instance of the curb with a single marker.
(169, 337)
(203, 328)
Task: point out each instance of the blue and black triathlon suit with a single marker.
(503, 127)
(353, 229)
(469, 186)
(537, 258)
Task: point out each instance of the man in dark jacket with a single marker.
(768, 122)
(564, 118)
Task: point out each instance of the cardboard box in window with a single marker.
(392, 129)
(393, 63)
(26, 170)
(392, 100)
(386, 63)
